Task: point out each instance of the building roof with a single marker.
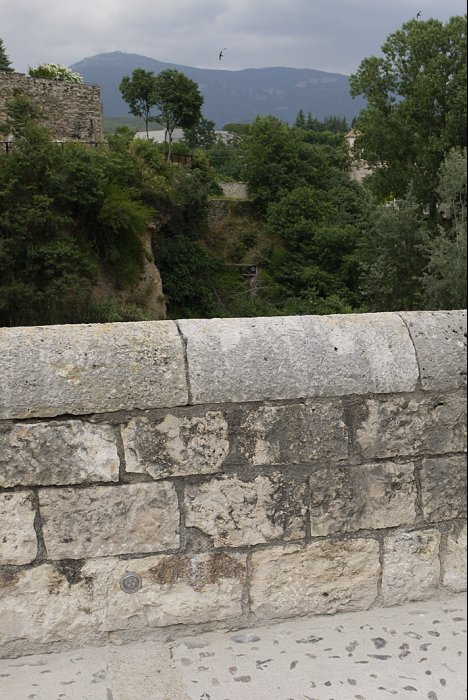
(159, 135)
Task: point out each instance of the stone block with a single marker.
(411, 566)
(413, 425)
(236, 360)
(57, 453)
(369, 497)
(80, 603)
(105, 520)
(454, 560)
(178, 445)
(176, 590)
(96, 368)
(443, 482)
(46, 608)
(236, 513)
(18, 541)
(293, 434)
(322, 578)
(440, 341)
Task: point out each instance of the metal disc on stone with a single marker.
(130, 582)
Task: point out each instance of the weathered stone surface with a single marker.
(235, 360)
(78, 603)
(18, 541)
(443, 482)
(411, 566)
(80, 369)
(455, 560)
(105, 520)
(413, 425)
(374, 496)
(293, 434)
(237, 513)
(322, 578)
(73, 110)
(176, 590)
(58, 452)
(178, 445)
(440, 341)
(46, 607)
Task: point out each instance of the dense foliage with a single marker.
(416, 111)
(71, 213)
(413, 133)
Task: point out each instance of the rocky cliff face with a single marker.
(148, 294)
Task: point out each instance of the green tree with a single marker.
(312, 124)
(19, 112)
(416, 95)
(335, 124)
(45, 268)
(5, 64)
(179, 102)
(227, 161)
(445, 281)
(393, 255)
(315, 241)
(300, 120)
(201, 135)
(277, 158)
(140, 93)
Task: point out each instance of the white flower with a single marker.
(55, 71)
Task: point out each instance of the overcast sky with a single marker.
(330, 35)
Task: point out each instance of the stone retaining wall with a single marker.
(243, 469)
(235, 190)
(220, 209)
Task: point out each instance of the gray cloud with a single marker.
(334, 35)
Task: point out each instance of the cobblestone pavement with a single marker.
(416, 651)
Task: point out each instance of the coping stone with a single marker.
(254, 359)
(90, 368)
(440, 341)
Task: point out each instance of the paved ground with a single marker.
(417, 651)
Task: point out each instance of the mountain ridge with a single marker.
(231, 96)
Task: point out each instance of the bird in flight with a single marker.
(221, 54)
(419, 14)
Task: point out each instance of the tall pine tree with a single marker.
(4, 60)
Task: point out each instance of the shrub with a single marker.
(55, 71)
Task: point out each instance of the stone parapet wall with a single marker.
(244, 469)
(72, 111)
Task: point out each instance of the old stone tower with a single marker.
(73, 111)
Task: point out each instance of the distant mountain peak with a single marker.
(231, 96)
